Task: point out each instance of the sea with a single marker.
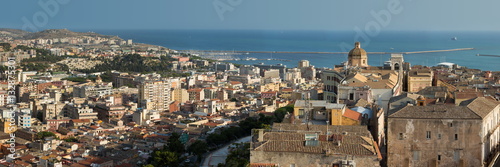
(484, 43)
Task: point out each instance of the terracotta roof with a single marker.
(404, 95)
(358, 130)
(235, 82)
(468, 95)
(211, 124)
(81, 120)
(27, 158)
(435, 112)
(352, 114)
(195, 90)
(293, 140)
(481, 105)
(362, 103)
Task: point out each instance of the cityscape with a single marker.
(192, 92)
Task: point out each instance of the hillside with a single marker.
(14, 33)
(49, 34)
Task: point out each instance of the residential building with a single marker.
(145, 116)
(88, 89)
(444, 135)
(81, 111)
(180, 95)
(196, 94)
(155, 92)
(314, 145)
(419, 79)
(331, 80)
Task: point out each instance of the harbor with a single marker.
(226, 52)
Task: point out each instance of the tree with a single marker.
(43, 135)
(165, 158)
(198, 147)
(175, 145)
(238, 156)
(5, 46)
(71, 139)
(281, 112)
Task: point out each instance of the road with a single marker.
(219, 156)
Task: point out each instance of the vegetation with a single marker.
(174, 144)
(5, 46)
(169, 156)
(137, 63)
(165, 158)
(43, 135)
(244, 127)
(76, 79)
(281, 112)
(71, 139)
(35, 66)
(238, 156)
(198, 148)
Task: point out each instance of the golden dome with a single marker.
(357, 52)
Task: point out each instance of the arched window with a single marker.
(396, 66)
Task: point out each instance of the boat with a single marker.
(454, 38)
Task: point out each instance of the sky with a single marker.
(368, 15)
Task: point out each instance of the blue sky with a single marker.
(444, 15)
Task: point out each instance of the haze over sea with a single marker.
(329, 41)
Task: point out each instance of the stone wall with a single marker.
(310, 160)
(431, 142)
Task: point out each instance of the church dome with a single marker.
(357, 52)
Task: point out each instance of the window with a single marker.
(456, 155)
(439, 157)
(401, 137)
(428, 135)
(351, 96)
(439, 136)
(451, 124)
(416, 155)
(456, 136)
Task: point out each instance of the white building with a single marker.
(145, 116)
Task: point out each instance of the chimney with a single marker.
(261, 135)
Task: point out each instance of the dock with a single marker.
(488, 55)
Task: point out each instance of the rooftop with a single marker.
(346, 140)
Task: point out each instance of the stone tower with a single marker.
(397, 62)
(357, 56)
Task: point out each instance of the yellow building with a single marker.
(271, 87)
(7, 126)
(335, 114)
(345, 116)
(419, 79)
